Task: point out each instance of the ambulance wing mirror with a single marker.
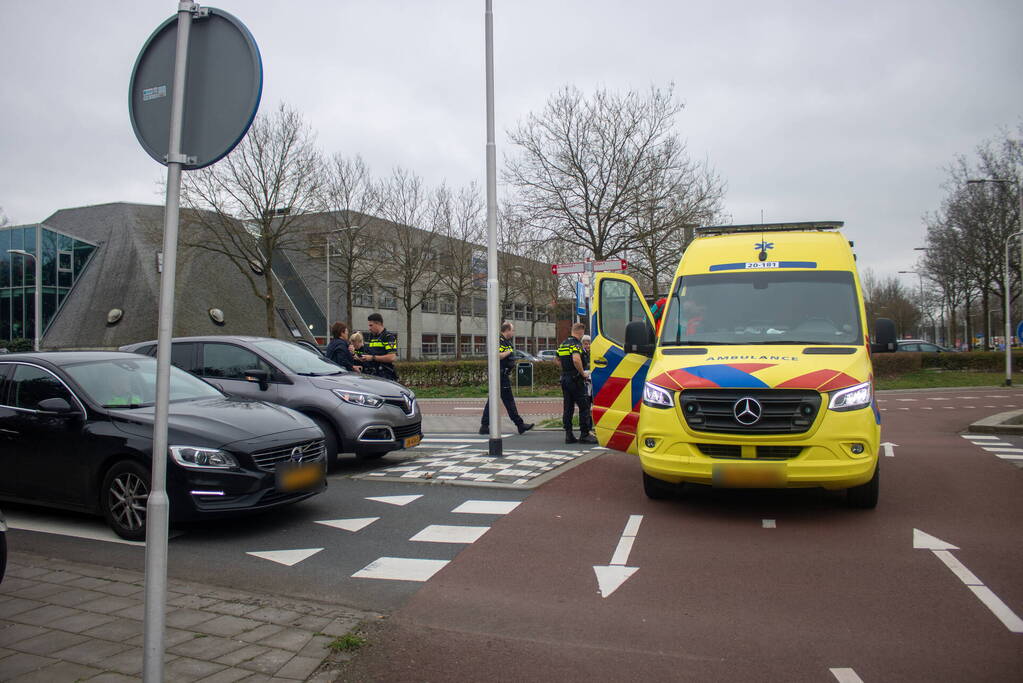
(639, 338)
(884, 336)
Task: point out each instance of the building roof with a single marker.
(123, 274)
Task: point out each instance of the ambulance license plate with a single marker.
(299, 476)
(754, 475)
(413, 440)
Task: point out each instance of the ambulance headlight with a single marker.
(852, 398)
(657, 397)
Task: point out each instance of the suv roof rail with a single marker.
(769, 227)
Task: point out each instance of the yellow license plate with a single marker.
(413, 440)
(754, 475)
(299, 476)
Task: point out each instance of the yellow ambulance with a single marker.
(757, 374)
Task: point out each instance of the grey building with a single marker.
(101, 283)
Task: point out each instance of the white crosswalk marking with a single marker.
(444, 533)
(400, 569)
(487, 507)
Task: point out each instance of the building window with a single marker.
(388, 298)
(507, 312)
(479, 306)
(430, 305)
(289, 322)
(520, 343)
(429, 345)
(447, 304)
(362, 296)
(479, 345)
(520, 311)
(466, 345)
(466, 305)
(447, 345)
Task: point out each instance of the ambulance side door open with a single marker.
(617, 376)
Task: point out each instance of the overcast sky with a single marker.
(817, 110)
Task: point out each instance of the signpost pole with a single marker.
(493, 322)
(157, 506)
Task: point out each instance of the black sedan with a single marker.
(76, 432)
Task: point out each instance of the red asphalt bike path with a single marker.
(718, 596)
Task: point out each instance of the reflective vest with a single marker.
(565, 351)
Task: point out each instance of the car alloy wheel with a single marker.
(125, 493)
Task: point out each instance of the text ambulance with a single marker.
(760, 374)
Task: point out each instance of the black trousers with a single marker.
(508, 399)
(573, 391)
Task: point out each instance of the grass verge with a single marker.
(480, 391)
(936, 379)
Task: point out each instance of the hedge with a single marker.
(17, 345)
(464, 373)
(901, 362)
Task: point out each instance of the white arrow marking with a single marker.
(396, 500)
(613, 575)
(288, 558)
(888, 447)
(355, 524)
(940, 549)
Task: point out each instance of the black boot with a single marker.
(570, 437)
(587, 438)
(523, 427)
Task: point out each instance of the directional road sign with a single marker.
(575, 267)
(609, 265)
(569, 268)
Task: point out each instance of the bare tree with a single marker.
(665, 229)
(350, 197)
(248, 205)
(589, 168)
(887, 298)
(408, 245)
(459, 221)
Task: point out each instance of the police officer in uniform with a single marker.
(381, 349)
(573, 386)
(504, 352)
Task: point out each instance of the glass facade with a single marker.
(64, 259)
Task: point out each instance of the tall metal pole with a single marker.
(39, 287)
(157, 506)
(1008, 324)
(493, 322)
(327, 333)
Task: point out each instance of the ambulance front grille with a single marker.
(782, 411)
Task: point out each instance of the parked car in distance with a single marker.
(921, 345)
(3, 546)
(548, 354)
(359, 414)
(76, 430)
(523, 356)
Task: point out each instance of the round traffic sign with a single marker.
(222, 88)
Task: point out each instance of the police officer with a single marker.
(573, 386)
(381, 349)
(504, 351)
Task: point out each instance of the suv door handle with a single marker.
(600, 362)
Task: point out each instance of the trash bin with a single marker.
(524, 374)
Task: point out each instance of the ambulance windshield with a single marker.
(773, 307)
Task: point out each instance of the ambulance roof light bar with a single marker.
(769, 227)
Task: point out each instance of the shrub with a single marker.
(18, 345)
(894, 364)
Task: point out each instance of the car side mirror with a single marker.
(884, 336)
(639, 338)
(261, 377)
(55, 406)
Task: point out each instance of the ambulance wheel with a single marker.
(656, 489)
(865, 495)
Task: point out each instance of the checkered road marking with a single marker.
(515, 468)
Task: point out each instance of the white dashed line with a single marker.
(769, 524)
(400, 569)
(938, 399)
(981, 437)
(444, 533)
(905, 399)
(487, 507)
(1009, 457)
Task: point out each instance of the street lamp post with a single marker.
(1008, 292)
(39, 284)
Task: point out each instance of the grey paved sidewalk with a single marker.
(63, 621)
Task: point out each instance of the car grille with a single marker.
(723, 450)
(406, 431)
(405, 402)
(784, 411)
(310, 450)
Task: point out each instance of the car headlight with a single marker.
(852, 398)
(197, 458)
(358, 398)
(657, 397)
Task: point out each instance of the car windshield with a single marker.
(297, 359)
(130, 382)
(779, 307)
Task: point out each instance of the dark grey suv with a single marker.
(360, 414)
